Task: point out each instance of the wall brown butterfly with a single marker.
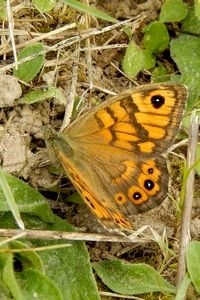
(113, 154)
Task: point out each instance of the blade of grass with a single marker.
(90, 10)
(10, 199)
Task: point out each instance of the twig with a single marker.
(70, 100)
(75, 236)
(96, 31)
(113, 295)
(104, 47)
(88, 52)
(11, 30)
(99, 88)
(187, 209)
(41, 37)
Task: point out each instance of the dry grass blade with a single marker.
(70, 100)
(107, 294)
(138, 236)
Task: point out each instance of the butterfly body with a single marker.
(113, 154)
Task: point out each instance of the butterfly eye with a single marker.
(157, 101)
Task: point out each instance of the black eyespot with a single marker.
(149, 184)
(119, 198)
(157, 101)
(150, 170)
(137, 196)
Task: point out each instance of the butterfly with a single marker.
(113, 154)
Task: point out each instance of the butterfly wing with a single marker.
(113, 154)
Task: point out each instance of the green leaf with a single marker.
(185, 51)
(156, 37)
(182, 290)
(197, 8)
(149, 59)
(28, 70)
(191, 23)
(3, 15)
(8, 276)
(33, 283)
(44, 5)
(10, 200)
(90, 10)
(129, 32)
(4, 292)
(28, 259)
(193, 263)
(74, 198)
(130, 279)
(173, 11)
(133, 61)
(65, 269)
(27, 199)
(160, 74)
(70, 267)
(41, 95)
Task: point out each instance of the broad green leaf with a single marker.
(185, 51)
(28, 259)
(78, 5)
(8, 276)
(193, 263)
(36, 285)
(27, 199)
(191, 23)
(173, 11)
(197, 8)
(133, 61)
(29, 69)
(41, 95)
(156, 37)
(44, 5)
(131, 279)
(149, 59)
(70, 267)
(4, 292)
(160, 74)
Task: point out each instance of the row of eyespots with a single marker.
(147, 186)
